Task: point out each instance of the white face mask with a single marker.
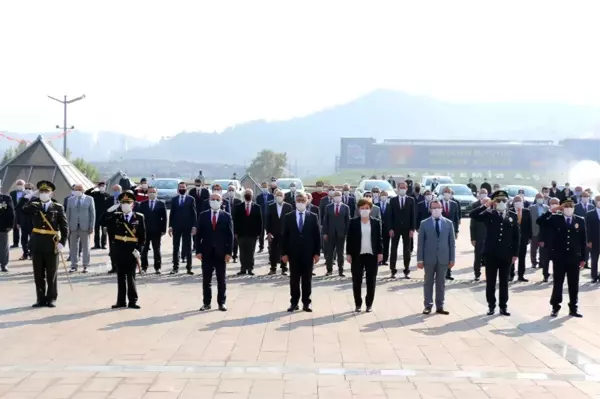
(279, 199)
(364, 213)
(337, 199)
(501, 206)
(331, 192)
(436, 213)
(102, 189)
(401, 192)
(300, 206)
(383, 198)
(77, 193)
(545, 195)
(568, 212)
(428, 197)
(230, 194)
(518, 205)
(28, 191)
(293, 189)
(126, 208)
(346, 192)
(152, 196)
(585, 200)
(144, 186)
(319, 189)
(20, 187)
(447, 196)
(482, 196)
(44, 197)
(539, 200)
(375, 196)
(215, 204)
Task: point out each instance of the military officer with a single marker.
(129, 231)
(568, 255)
(48, 237)
(501, 246)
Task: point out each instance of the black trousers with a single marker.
(545, 260)
(365, 264)
(497, 268)
(405, 251)
(261, 239)
(99, 234)
(16, 233)
(126, 279)
(234, 254)
(275, 254)
(45, 276)
(594, 254)
(334, 245)
(152, 239)
(111, 252)
(521, 264)
(183, 238)
(247, 248)
(211, 263)
(25, 235)
(478, 257)
(386, 245)
(568, 267)
(300, 273)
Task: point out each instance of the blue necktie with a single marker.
(383, 208)
(180, 201)
(301, 223)
(437, 227)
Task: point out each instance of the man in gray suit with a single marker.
(335, 227)
(81, 215)
(536, 210)
(436, 254)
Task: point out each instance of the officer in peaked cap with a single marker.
(48, 238)
(129, 231)
(501, 247)
(567, 232)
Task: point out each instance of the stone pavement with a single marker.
(83, 349)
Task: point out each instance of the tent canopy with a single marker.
(39, 161)
(116, 178)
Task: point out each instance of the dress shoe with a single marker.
(328, 274)
(250, 273)
(523, 280)
(341, 274)
(23, 257)
(476, 278)
(554, 312)
(84, 269)
(307, 308)
(427, 310)
(407, 276)
(38, 305)
(112, 271)
(234, 259)
(284, 273)
(241, 273)
(293, 307)
(271, 272)
(511, 278)
(449, 278)
(134, 306)
(384, 263)
(260, 250)
(190, 272)
(157, 272)
(73, 269)
(442, 311)
(314, 274)
(51, 304)
(118, 306)
(545, 280)
(393, 274)
(205, 307)
(223, 308)
(369, 309)
(586, 266)
(104, 247)
(490, 312)
(3, 269)
(504, 312)
(357, 310)
(14, 246)
(574, 313)
(174, 271)
(95, 247)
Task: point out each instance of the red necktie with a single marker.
(337, 210)
(247, 210)
(446, 206)
(214, 220)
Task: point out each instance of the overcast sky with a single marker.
(155, 68)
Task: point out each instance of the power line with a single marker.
(66, 102)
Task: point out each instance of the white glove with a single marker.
(59, 246)
(113, 208)
(136, 254)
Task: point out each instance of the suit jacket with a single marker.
(403, 219)
(99, 201)
(247, 225)
(322, 205)
(263, 200)
(477, 228)
(301, 246)
(453, 213)
(81, 213)
(217, 240)
(336, 224)
(534, 211)
(227, 205)
(582, 210)
(290, 199)
(567, 240)
(433, 249)
(156, 219)
(375, 212)
(525, 226)
(502, 232)
(592, 223)
(354, 237)
(351, 202)
(200, 195)
(16, 195)
(314, 209)
(182, 217)
(273, 220)
(418, 197)
(422, 212)
(23, 219)
(7, 213)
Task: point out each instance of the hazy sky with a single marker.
(153, 68)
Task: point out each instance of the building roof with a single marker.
(116, 178)
(39, 161)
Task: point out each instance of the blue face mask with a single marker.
(116, 194)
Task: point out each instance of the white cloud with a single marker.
(153, 68)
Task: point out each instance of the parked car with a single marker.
(427, 180)
(284, 185)
(462, 194)
(167, 189)
(224, 183)
(513, 189)
(367, 185)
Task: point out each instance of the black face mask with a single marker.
(182, 191)
(417, 190)
(248, 197)
(553, 185)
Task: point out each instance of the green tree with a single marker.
(89, 170)
(266, 164)
(12, 151)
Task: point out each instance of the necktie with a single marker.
(446, 208)
(437, 227)
(181, 200)
(247, 210)
(337, 210)
(402, 202)
(383, 207)
(301, 222)
(151, 205)
(78, 202)
(569, 221)
(214, 220)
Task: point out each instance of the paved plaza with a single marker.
(84, 350)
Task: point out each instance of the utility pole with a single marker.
(65, 102)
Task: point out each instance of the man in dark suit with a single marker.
(391, 181)
(524, 221)
(450, 210)
(182, 221)
(402, 220)
(554, 192)
(326, 201)
(214, 244)
(300, 246)
(417, 194)
(486, 185)
(16, 195)
(99, 195)
(200, 195)
(263, 200)
(566, 194)
(384, 207)
(290, 196)
(247, 226)
(472, 186)
(422, 211)
(477, 230)
(568, 257)
(348, 199)
(310, 207)
(24, 222)
(155, 213)
(584, 205)
(276, 211)
(521, 193)
(335, 227)
(230, 202)
(592, 222)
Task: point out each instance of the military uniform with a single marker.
(48, 236)
(129, 236)
(501, 246)
(7, 222)
(568, 237)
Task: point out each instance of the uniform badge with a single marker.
(3, 205)
(510, 220)
(576, 225)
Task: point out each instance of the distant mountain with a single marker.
(314, 140)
